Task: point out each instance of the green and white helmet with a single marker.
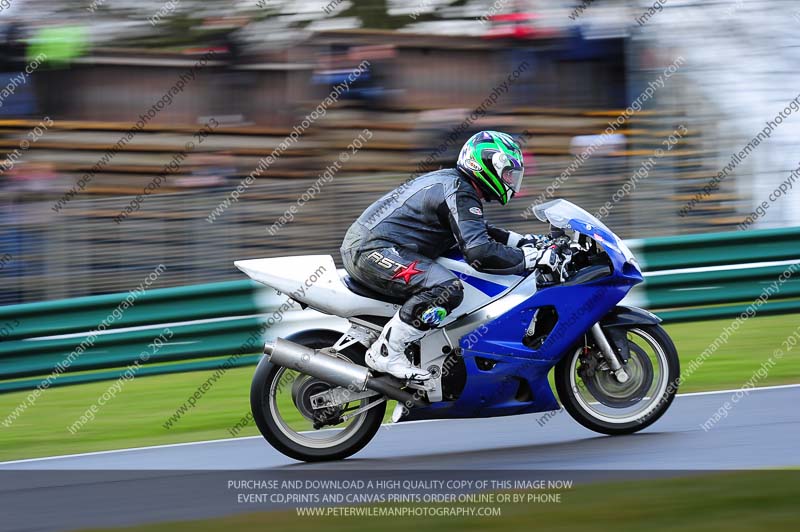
(494, 162)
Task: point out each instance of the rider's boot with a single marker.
(387, 353)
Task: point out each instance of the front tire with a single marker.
(286, 437)
(602, 405)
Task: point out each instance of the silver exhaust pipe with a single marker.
(336, 371)
(311, 362)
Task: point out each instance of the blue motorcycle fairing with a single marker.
(514, 377)
(500, 390)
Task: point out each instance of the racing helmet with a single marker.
(493, 161)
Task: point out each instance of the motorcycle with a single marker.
(615, 369)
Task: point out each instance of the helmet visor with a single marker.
(512, 177)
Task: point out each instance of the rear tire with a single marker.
(656, 406)
(264, 381)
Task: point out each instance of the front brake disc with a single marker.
(606, 389)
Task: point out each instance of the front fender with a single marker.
(622, 316)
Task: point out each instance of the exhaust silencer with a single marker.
(335, 371)
(311, 362)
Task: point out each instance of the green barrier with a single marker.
(83, 378)
(727, 272)
(59, 341)
(728, 311)
(24, 358)
(717, 287)
(712, 249)
(163, 305)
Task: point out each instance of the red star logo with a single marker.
(408, 272)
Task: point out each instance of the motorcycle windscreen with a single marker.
(564, 215)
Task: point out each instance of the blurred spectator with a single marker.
(22, 232)
(232, 82)
(208, 170)
(373, 88)
(19, 98)
(332, 68)
(32, 177)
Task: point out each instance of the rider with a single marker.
(393, 245)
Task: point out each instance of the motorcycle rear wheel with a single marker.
(291, 432)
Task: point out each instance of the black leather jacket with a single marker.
(432, 213)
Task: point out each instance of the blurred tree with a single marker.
(59, 44)
(374, 14)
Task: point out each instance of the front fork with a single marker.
(608, 353)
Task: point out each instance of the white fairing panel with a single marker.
(315, 281)
(472, 279)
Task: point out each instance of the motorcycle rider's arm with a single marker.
(512, 239)
(464, 212)
(503, 236)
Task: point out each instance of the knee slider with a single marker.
(433, 316)
(429, 308)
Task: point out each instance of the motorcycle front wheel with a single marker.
(281, 407)
(593, 396)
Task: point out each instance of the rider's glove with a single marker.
(516, 240)
(544, 259)
(539, 241)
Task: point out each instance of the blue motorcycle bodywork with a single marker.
(511, 367)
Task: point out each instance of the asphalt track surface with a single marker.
(761, 430)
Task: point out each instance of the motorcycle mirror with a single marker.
(556, 232)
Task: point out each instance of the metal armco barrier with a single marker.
(718, 275)
(207, 322)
